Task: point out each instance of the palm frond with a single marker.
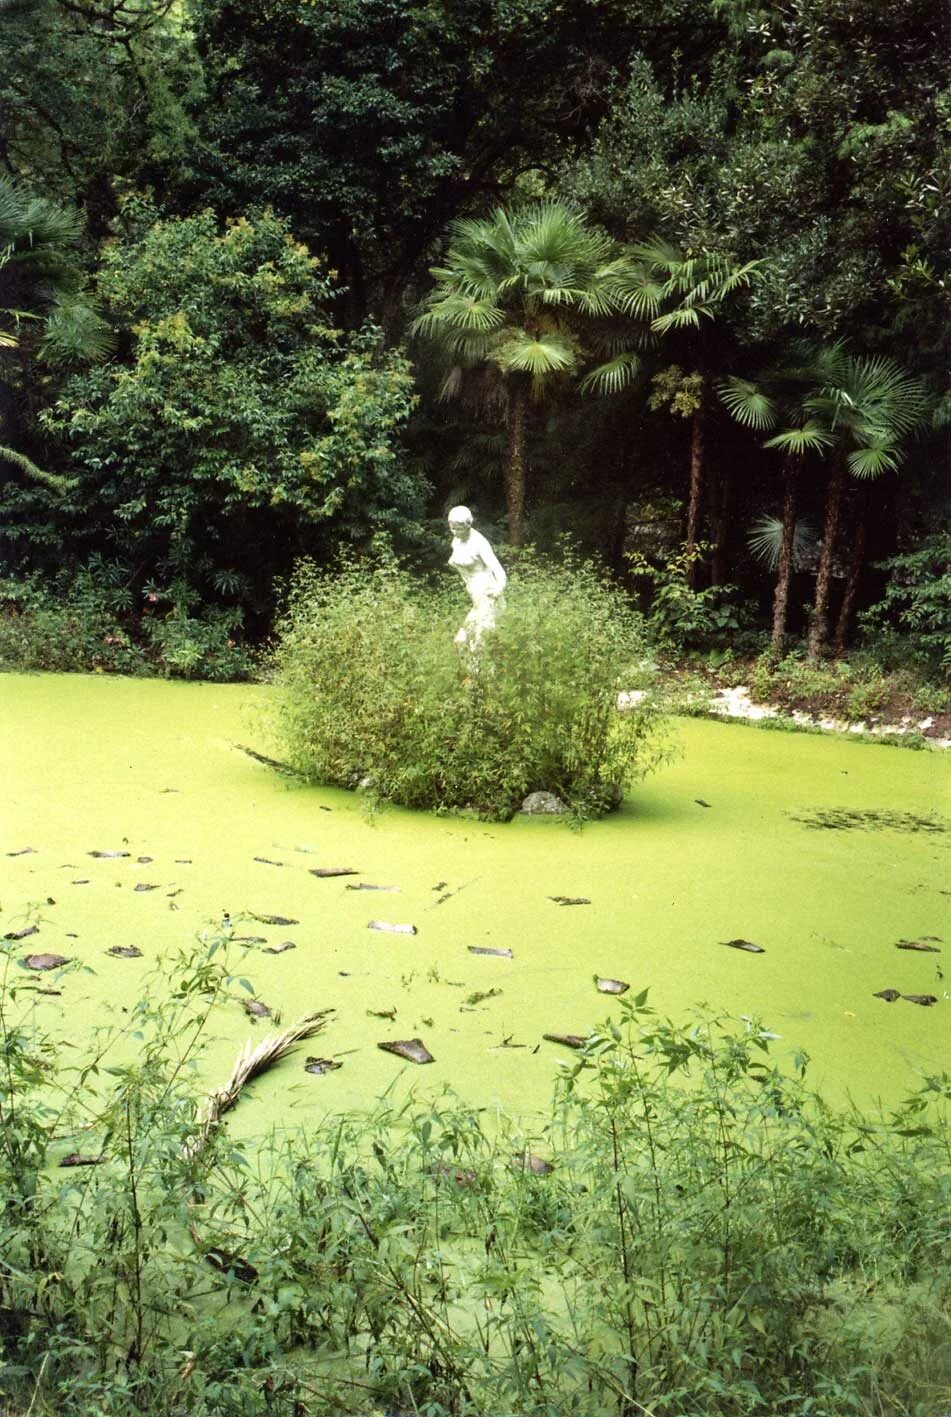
(747, 403)
(251, 1062)
(76, 333)
(682, 318)
(811, 437)
(765, 540)
(539, 356)
(613, 375)
(873, 461)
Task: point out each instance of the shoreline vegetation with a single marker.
(691, 1229)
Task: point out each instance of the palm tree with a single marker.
(41, 286)
(869, 406)
(857, 408)
(514, 293)
(680, 293)
(759, 406)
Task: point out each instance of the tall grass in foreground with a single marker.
(374, 691)
(692, 1232)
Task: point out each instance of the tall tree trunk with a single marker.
(515, 462)
(819, 625)
(696, 487)
(785, 568)
(855, 571)
(718, 575)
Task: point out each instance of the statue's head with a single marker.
(460, 519)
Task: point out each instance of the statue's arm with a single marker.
(493, 564)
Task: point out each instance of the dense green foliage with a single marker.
(912, 621)
(375, 691)
(775, 179)
(243, 427)
(691, 1230)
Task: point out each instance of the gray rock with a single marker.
(543, 804)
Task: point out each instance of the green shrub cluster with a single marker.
(90, 620)
(911, 624)
(692, 1231)
(852, 690)
(375, 692)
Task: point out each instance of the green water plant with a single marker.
(689, 1229)
(374, 692)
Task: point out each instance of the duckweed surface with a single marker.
(133, 822)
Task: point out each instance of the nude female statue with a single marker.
(479, 568)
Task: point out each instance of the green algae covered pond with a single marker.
(826, 853)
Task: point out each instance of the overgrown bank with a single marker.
(692, 1231)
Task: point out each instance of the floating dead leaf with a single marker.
(414, 1050)
(45, 961)
(83, 882)
(700, 802)
(568, 1040)
(924, 999)
(610, 986)
(365, 886)
(746, 945)
(570, 899)
(280, 949)
(920, 946)
(327, 872)
(231, 1265)
(266, 861)
(23, 934)
(108, 855)
(249, 939)
(318, 1066)
(274, 919)
(76, 1158)
(183, 861)
(125, 952)
(23, 851)
(145, 886)
(391, 929)
(256, 1009)
(490, 950)
(535, 1165)
(144, 860)
(382, 1013)
(889, 995)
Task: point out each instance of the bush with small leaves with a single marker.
(374, 691)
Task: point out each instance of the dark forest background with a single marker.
(241, 323)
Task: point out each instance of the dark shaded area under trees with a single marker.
(184, 397)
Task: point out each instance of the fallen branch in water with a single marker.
(251, 1062)
(268, 762)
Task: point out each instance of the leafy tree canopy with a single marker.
(241, 425)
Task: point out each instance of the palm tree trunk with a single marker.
(855, 572)
(785, 568)
(819, 625)
(515, 463)
(696, 488)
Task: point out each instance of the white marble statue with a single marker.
(484, 578)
